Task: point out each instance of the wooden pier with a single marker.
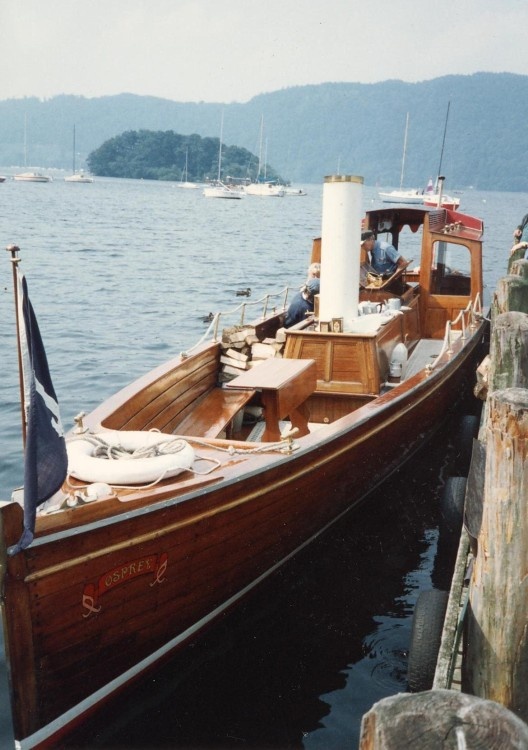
(479, 696)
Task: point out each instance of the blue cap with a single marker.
(313, 286)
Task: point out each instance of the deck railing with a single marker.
(237, 315)
(469, 317)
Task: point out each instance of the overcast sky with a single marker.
(232, 50)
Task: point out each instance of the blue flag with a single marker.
(46, 460)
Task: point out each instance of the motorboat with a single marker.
(290, 190)
(32, 177)
(196, 482)
(79, 177)
(434, 196)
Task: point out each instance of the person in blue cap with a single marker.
(302, 303)
(384, 258)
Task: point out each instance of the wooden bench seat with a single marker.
(284, 385)
(213, 413)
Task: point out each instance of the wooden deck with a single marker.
(423, 354)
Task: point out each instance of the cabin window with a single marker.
(451, 272)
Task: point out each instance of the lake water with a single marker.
(121, 273)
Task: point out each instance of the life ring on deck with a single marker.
(175, 455)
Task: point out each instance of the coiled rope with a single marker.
(118, 453)
(165, 447)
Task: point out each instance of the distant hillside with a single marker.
(310, 131)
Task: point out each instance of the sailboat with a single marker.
(434, 195)
(401, 195)
(184, 183)
(77, 176)
(218, 189)
(29, 176)
(262, 187)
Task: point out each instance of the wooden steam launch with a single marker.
(123, 569)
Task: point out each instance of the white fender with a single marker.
(82, 464)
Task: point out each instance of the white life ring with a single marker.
(84, 465)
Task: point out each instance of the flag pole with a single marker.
(15, 260)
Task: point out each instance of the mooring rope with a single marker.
(280, 447)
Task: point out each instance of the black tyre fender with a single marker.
(452, 507)
(467, 430)
(426, 635)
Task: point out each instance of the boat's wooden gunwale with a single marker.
(180, 492)
(349, 428)
(107, 589)
(248, 505)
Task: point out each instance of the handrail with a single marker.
(214, 325)
(469, 316)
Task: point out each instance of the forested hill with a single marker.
(310, 131)
(149, 155)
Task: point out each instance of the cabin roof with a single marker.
(441, 220)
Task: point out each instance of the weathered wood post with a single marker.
(509, 351)
(440, 719)
(514, 257)
(496, 658)
(512, 290)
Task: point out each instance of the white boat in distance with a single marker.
(403, 195)
(220, 190)
(29, 176)
(77, 176)
(188, 185)
(294, 191)
(265, 189)
(262, 187)
(32, 177)
(184, 182)
(435, 197)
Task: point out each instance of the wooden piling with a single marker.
(496, 658)
(512, 290)
(492, 712)
(515, 256)
(509, 351)
(440, 719)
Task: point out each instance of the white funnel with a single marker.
(340, 248)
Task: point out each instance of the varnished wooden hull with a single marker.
(107, 590)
